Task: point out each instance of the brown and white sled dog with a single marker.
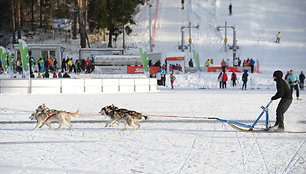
(130, 118)
(45, 116)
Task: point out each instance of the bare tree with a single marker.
(81, 24)
(13, 21)
(19, 19)
(75, 18)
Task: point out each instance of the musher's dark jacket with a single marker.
(283, 89)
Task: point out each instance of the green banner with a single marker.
(143, 56)
(3, 58)
(197, 61)
(24, 55)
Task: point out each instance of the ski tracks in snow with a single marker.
(296, 157)
(192, 146)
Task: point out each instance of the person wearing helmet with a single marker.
(283, 92)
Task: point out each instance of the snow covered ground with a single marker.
(162, 145)
(176, 145)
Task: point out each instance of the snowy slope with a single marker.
(256, 21)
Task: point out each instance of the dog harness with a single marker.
(49, 116)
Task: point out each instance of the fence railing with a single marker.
(77, 86)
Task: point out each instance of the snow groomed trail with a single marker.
(160, 146)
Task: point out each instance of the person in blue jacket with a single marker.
(252, 63)
(293, 81)
(245, 79)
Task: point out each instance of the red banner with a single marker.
(175, 58)
(139, 69)
(219, 69)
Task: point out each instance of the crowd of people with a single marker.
(46, 66)
(223, 78)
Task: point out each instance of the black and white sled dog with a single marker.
(45, 116)
(130, 118)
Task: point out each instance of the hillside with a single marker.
(256, 21)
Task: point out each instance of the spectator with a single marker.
(54, 75)
(190, 63)
(286, 76)
(239, 62)
(302, 78)
(224, 80)
(252, 63)
(32, 65)
(64, 65)
(211, 62)
(69, 64)
(223, 65)
(293, 81)
(172, 79)
(88, 65)
(46, 65)
(60, 75)
(245, 63)
(245, 79)
(235, 62)
(92, 64)
(230, 9)
(163, 76)
(227, 63)
(38, 64)
(234, 78)
(220, 80)
(50, 64)
(66, 75)
(46, 75)
(207, 63)
(55, 64)
(158, 77)
(42, 65)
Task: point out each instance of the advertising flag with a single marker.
(143, 56)
(3, 58)
(24, 53)
(197, 61)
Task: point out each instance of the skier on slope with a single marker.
(283, 92)
(278, 36)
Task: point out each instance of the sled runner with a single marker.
(262, 130)
(251, 128)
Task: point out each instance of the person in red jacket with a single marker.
(54, 75)
(234, 78)
(88, 65)
(224, 80)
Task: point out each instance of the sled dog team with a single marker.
(44, 116)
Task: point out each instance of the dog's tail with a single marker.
(77, 113)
